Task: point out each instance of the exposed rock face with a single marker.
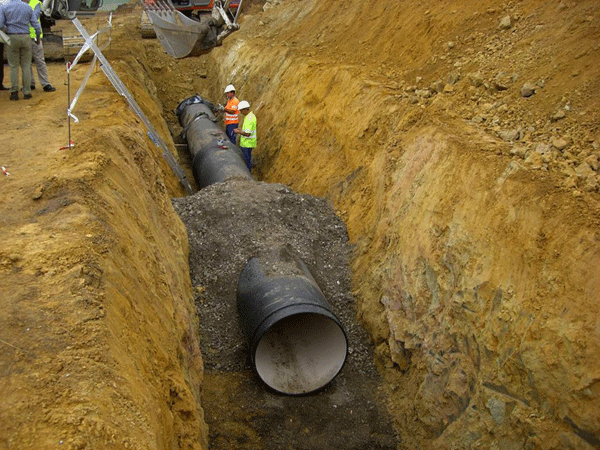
(488, 296)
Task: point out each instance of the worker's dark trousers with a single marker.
(247, 151)
(2, 62)
(229, 130)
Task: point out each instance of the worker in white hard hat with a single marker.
(247, 133)
(232, 119)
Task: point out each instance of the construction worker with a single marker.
(2, 87)
(17, 16)
(247, 132)
(37, 52)
(232, 119)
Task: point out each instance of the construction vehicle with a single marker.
(194, 9)
(190, 27)
(185, 28)
(197, 8)
(53, 10)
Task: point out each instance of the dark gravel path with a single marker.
(227, 224)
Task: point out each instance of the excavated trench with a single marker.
(228, 224)
(244, 236)
(472, 269)
(474, 259)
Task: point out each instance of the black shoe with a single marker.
(3, 88)
(14, 96)
(33, 87)
(27, 96)
(49, 88)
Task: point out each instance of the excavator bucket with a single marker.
(183, 37)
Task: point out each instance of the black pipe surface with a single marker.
(297, 344)
(214, 158)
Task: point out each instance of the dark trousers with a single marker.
(229, 130)
(247, 151)
(2, 62)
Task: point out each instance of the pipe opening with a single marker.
(301, 353)
(296, 342)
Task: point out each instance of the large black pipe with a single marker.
(215, 158)
(296, 343)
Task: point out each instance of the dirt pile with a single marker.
(230, 223)
(98, 331)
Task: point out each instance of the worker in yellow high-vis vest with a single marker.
(37, 51)
(2, 87)
(247, 133)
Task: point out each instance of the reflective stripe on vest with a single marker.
(249, 127)
(232, 118)
(32, 34)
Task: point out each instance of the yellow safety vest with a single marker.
(249, 126)
(32, 34)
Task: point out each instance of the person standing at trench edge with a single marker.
(2, 87)
(231, 113)
(16, 16)
(37, 52)
(247, 132)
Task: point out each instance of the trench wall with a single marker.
(119, 364)
(151, 319)
(476, 276)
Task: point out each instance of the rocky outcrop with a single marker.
(487, 292)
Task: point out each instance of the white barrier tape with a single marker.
(122, 90)
(81, 88)
(86, 46)
(72, 116)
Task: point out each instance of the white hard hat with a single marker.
(229, 88)
(243, 104)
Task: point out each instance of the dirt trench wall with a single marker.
(110, 358)
(150, 321)
(475, 272)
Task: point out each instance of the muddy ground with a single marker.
(458, 142)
